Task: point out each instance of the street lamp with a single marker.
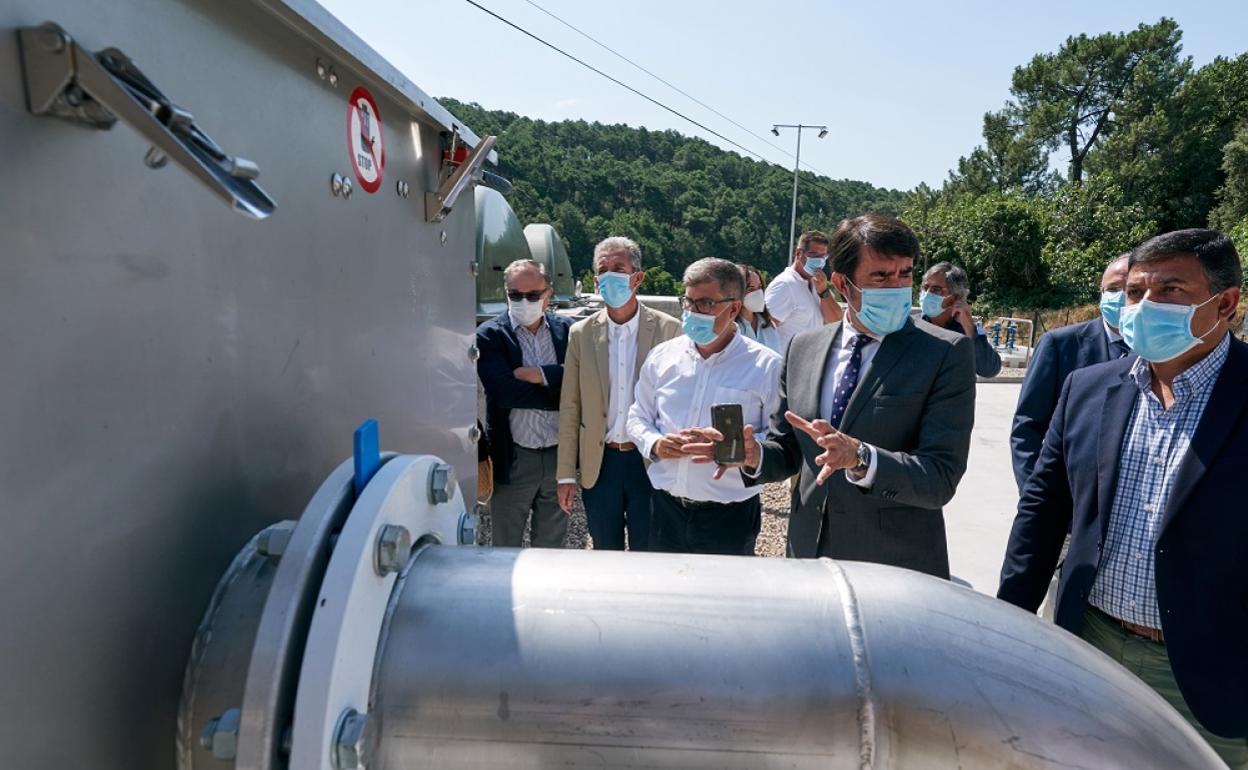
(797, 162)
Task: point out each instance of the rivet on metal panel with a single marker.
(441, 483)
(321, 70)
(474, 434)
(346, 187)
(333, 77)
(473, 353)
(335, 184)
(394, 548)
(474, 267)
(220, 735)
(154, 158)
(401, 188)
(353, 741)
(442, 237)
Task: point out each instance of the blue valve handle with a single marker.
(367, 447)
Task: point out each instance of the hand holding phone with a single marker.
(730, 422)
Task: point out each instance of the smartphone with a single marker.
(727, 419)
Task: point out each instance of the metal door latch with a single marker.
(64, 80)
(439, 204)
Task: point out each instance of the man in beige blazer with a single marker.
(605, 352)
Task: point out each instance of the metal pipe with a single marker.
(546, 658)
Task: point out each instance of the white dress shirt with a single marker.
(621, 375)
(675, 391)
(838, 362)
(792, 301)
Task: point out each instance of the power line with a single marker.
(620, 83)
(669, 84)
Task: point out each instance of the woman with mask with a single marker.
(755, 322)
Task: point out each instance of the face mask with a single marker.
(1159, 331)
(815, 263)
(883, 311)
(699, 327)
(755, 301)
(1111, 306)
(615, 289)
(524, 313)
(931, 304)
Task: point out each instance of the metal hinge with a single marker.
(439, 204)
(66, 81)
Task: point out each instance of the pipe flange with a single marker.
(339, 658)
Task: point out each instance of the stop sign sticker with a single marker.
(368, 152)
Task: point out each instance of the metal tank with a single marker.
(500, 240)
(547, 247)
(191, 333)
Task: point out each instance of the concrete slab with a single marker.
(979, 518)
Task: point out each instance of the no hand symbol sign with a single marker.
(364, 141)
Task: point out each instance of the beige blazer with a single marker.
(583, 400)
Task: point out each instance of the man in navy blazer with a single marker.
(521, 368)
(1059, 353)
(1144, 463)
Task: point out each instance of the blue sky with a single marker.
(902, 86)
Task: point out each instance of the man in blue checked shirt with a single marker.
(1144, 461)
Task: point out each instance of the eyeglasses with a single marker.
(704, 306)
(531, 296)
(939, 291)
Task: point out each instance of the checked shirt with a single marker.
(1156, 441)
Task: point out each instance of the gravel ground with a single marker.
(770, 538)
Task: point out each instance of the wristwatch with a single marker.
(864, 460)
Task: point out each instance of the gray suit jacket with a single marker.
(915, 403)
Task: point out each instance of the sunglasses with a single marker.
(531, 296)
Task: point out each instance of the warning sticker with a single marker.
(368, 152)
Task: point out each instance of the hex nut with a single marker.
(220, 735)
(394, 548)
(441, 483)
(353, 741)
(467, 528)
(272, 540)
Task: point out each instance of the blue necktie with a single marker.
(849, 381)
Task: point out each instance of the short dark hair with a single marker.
(1216, 252)
(811, 236)
(885, 234)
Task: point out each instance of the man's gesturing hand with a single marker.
(702, 449)
(839, 450)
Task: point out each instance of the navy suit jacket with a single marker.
(500, 357)
(1202, 549)
(1058, 353)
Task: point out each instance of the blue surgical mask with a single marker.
(815, 263)
(883, 311)
(615, 289)
(931, 304)
(699, 327)
(1111, 306)
(1160, 331)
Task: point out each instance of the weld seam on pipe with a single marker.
(862, 665)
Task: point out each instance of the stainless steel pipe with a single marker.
(541, 658)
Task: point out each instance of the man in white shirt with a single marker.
(695, 508)
(799, 298)
(605, 351)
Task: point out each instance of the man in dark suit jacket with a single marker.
(1144, 462)
(521, 369)
(1059, 353)
(888, 400)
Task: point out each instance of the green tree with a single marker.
(1079, 95)
(1232, 208)
(1009, 159)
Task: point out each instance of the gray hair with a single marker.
(619, 243)
(525, 266)
(729, 277)
(955, 278)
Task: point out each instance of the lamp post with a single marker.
(797, 164)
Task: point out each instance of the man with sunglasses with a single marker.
(875, 413)
(521, 369)
(695, 508)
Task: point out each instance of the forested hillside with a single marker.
(680, 198)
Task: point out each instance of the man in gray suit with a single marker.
(875, 413)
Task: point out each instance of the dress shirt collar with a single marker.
(849, 334)
(1198, 377)
(628, 327)
(1112, 335)
(540, 325)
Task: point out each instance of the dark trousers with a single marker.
(689, 526)
(529, 490)
(619, 499)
